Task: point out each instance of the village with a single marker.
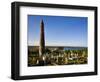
(43, 55)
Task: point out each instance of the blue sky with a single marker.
(59, 30)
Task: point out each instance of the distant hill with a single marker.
(36, 48)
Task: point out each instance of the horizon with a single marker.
(57, 46)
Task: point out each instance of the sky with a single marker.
(59, 30)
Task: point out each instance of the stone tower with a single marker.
(42, 39)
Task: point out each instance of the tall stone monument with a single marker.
(42, 40)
